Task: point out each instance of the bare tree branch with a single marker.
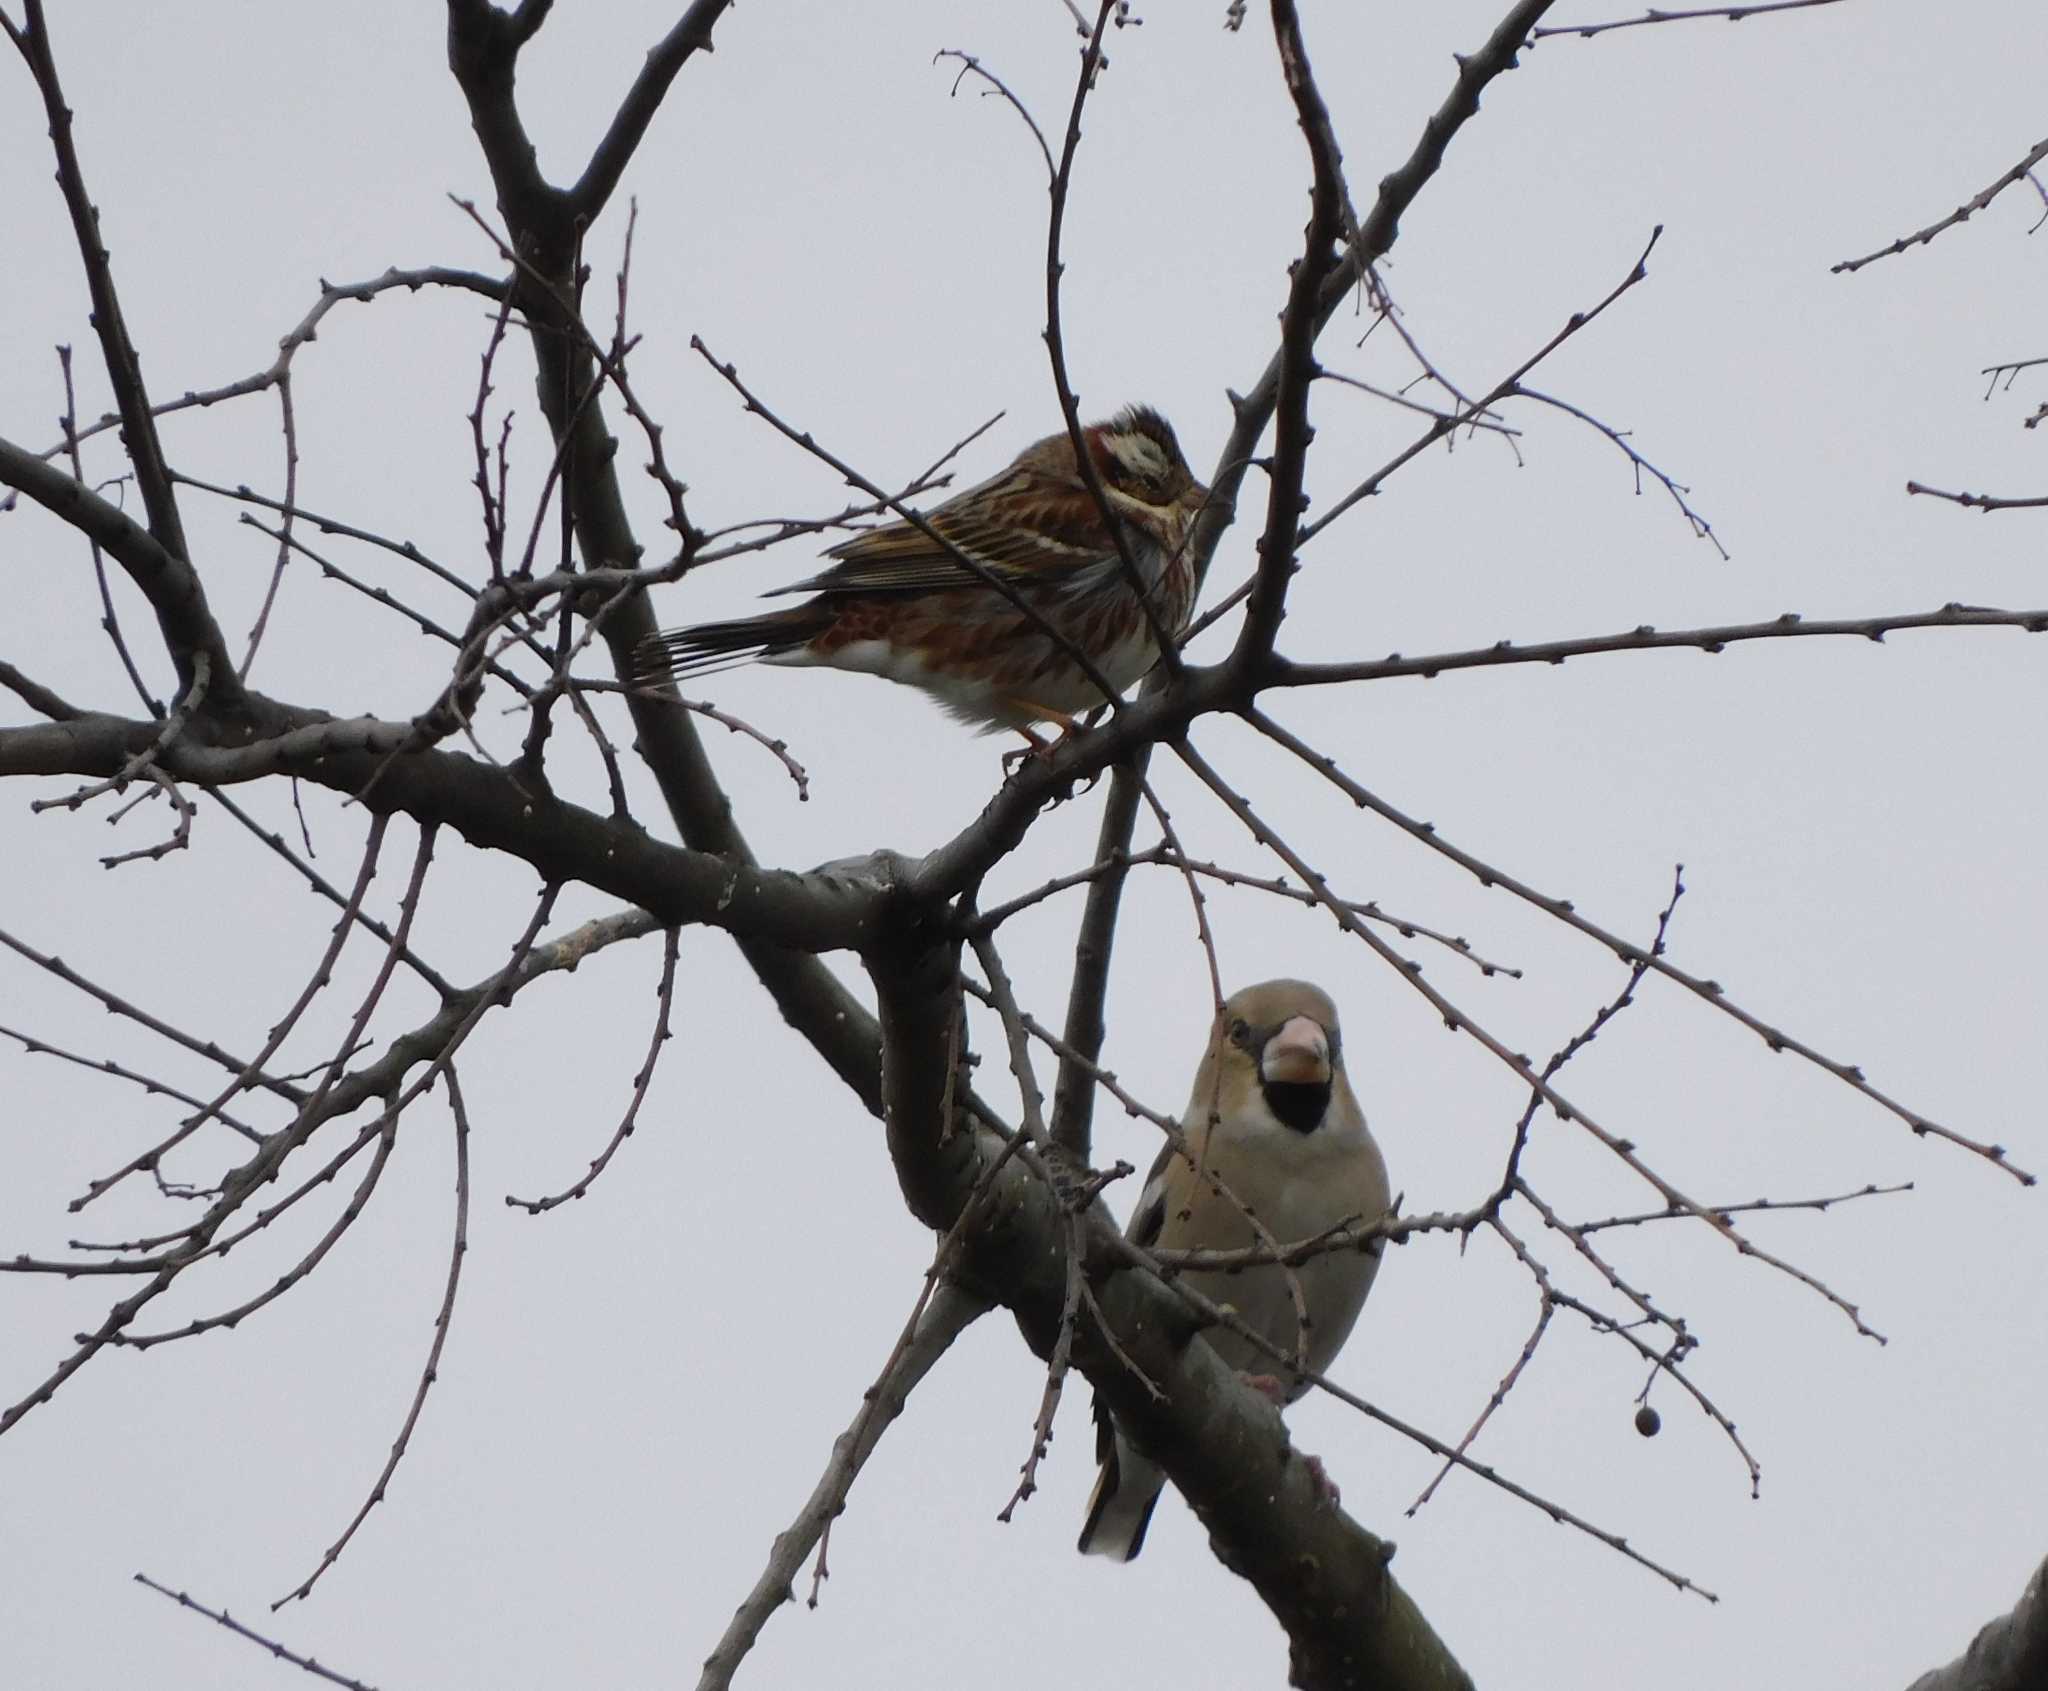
(820, 911)
(1962, 214)
(546, 223)
(192, 629)
(1980, 501)
(1088, 995)
(303, 332)
(221, 1618)
(933, 1327)
(1300, 321)
(167, 580)
(1643, 638)
(1710, 991)
(608, 161)
(2008, 1654)
(1655, 14)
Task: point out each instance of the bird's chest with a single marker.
(1295, 1183)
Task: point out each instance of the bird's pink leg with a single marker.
(1274, 1390)
(1037, 747)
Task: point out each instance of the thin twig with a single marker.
(1962, 214)
(988, 921)
(1709, 991)
(220, 1617)
(1734, 14)
(432, 1371)
(305, 330)
(1485, 405)
(106, 1065)
(1701, 528)
(110, 623)
(1754, 1206)
(1222, 1315)
(1712, 640)
(1459, 1022)
(665, 1000)
(1092, 61)
(251, 1071)
(1980, 501)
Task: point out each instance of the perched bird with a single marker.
(899, 604)
(1272, 1124)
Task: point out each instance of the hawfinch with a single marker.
(1272, 1117)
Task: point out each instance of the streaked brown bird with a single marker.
(898, 604)
(1272, 1118)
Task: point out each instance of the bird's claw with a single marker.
(1016, 759)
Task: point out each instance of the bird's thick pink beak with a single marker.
(1299, 1054)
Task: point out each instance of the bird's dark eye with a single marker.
(1132, 460)
(1240, 1032)
(1128, 478)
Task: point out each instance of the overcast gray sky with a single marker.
(640, 1388)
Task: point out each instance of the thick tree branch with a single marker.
(162, 572)
(40, 699)
(2009, 1654)
(483, 53)
(1160, 714)
(692, 34)
(830, 909)
(547, 228)
(1088, 994)
(193, 629)
(1300, 322)
(1073, 1094)
(1324, 1577)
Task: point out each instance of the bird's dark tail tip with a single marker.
(716, 645)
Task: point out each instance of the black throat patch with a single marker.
(1301, 1104)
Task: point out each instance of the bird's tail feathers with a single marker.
(708, 646)
(1120, 1508)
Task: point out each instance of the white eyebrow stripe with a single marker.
(1138, 453)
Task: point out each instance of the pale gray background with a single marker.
(641, 1388)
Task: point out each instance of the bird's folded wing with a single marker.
(903, 559)
(1148, 1219)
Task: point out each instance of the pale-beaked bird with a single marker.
(1272, 1118)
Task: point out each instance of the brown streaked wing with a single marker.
(1021, 539)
